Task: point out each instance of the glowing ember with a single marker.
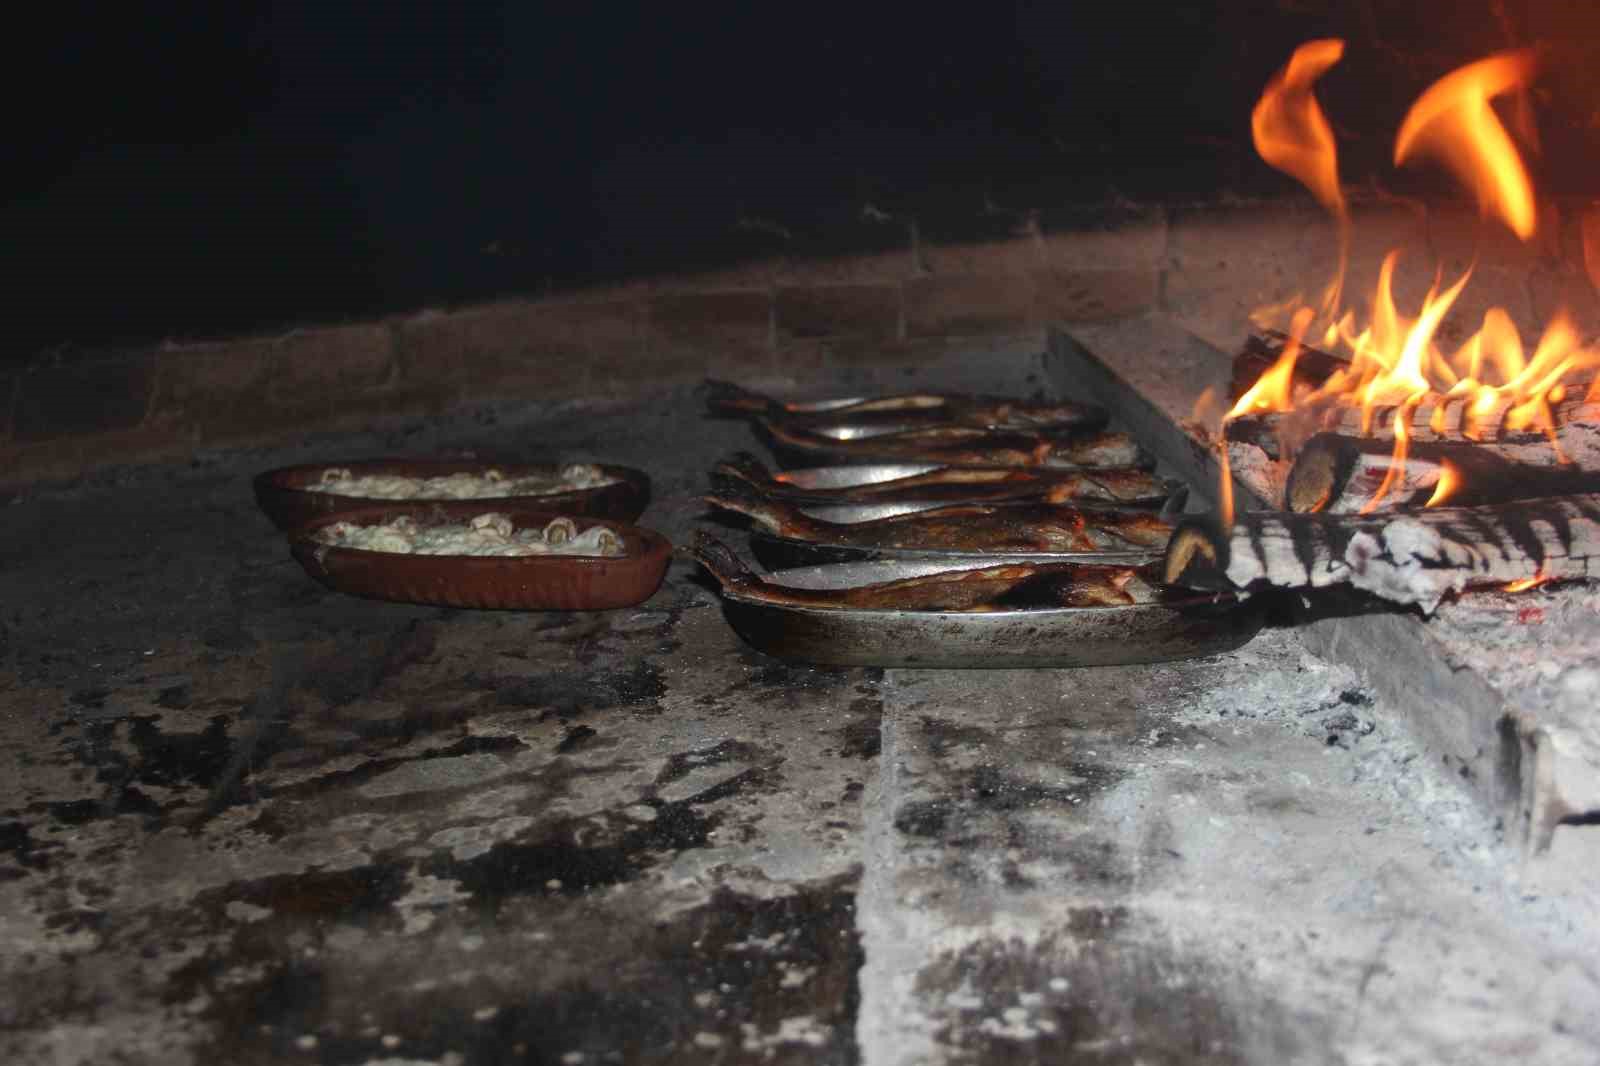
(1526, 583)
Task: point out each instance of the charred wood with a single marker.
(1408, 557)
(1312, 366)
(1347, 475)
(1278, 433)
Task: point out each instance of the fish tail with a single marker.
(772, 515)
(745, 467)
(722, 562)
(726, 398)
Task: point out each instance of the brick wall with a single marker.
(904, 293)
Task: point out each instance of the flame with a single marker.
(1224, 486)
(1454, 121)
(1289, 128)
(1527, 583)
(1274, 389)
(1449, 481)
(1395, 366)
(1292, 134)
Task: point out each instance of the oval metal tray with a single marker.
(825, 486)
(784, 553)
(283, 495)
(1184, 628)
(537, 582)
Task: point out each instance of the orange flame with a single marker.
(1449, 481)
(1274, 389)
(1527, 583)
(1292, 134)
(1454, 121)
(1289, 128)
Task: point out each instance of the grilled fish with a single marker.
(959, 446)
(952, 483)
(978, 527)
(907, 410)
(990, 588)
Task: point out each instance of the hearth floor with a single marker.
(245, 819)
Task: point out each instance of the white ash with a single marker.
(1278, 678)
(1263, 476)
(1539, 649)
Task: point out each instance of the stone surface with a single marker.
(957, 305)
(246, 819)
(838, 310)
(75, 398)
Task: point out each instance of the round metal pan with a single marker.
(286, 498)
(1185, 628)
(785, 553)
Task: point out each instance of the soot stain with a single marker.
(683, 763)
(571, 693)
(728, 967)
(862, 736)
(943, 736)
(17, 842)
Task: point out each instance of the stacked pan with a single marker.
(941, 529)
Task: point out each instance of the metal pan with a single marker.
(1046, 637)
(850, 444)
(856, 485)
(783, 553)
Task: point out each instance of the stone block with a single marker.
(1086, 295)
(525, 346)
(322, 368)
(1103, 239)
(993, 242)
(733, 321)
(968, 305)
(78, 398)
(838, 310)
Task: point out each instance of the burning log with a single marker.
(1413, 557)
(1261, 351)
(1347, 475)
(1437, 419)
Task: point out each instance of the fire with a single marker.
(1454, 121)
(1395, 362)
(1527, 583)
(1445, 487)
(1292, 134)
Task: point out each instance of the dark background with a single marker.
(202, 168)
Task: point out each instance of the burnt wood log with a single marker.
(1312, 366)
(1432, 420)
(1409, 557)
(1344, 475)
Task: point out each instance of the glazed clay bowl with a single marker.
(525, 583)
(285, 494)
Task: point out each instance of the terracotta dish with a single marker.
(528, 583)
(283, 493)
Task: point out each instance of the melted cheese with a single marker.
(490, 533)
(487, 484)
